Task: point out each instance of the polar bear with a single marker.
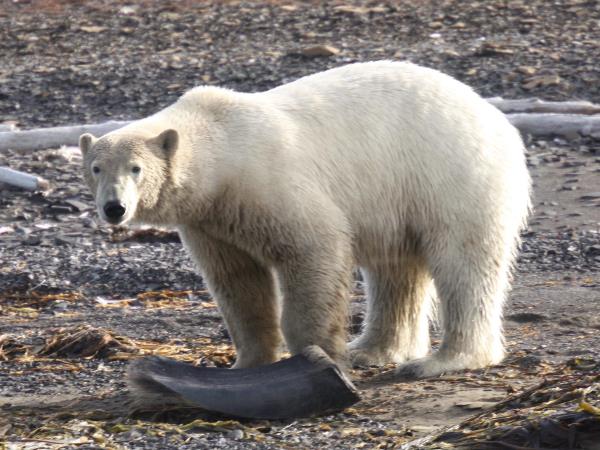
(392, 167)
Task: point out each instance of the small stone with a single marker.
(526, 317)
(527, 70)
(60, 306)
(590, 196)
(77, 205)
(63, 240)
(574, 163)
(128, 10)
(319, 51)
(31, 240)
(235, 434)
(593, 250)
(61, 209)
(377, 433)
(493, 49)
(69, 154)
(131, 435)
(92, 29)
(541, 81)
(22, 230)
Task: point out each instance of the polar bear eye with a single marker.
(136, 169)
(96, 170)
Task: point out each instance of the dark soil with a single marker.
(60, 269)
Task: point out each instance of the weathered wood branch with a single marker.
(7, 127)
(41, 138)
(535, 105)
(531, 116)
(22, 179)
(566, 125)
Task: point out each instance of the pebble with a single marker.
(319, 51)
(60, 209)
(235, 434)
(591, 196)
(78, 205)
(31, 240)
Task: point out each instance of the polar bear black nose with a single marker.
(114, 210)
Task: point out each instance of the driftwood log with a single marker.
(7, 127)
(530, 116)
(302, 386)
(22, 180)
(42, 138)
(535, 105)
(566, 125)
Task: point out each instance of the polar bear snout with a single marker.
(117, 195)
(114, 211)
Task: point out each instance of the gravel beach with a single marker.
(62, 270)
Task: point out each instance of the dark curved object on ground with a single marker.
(305, 385)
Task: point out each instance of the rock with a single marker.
(69, 154)
(527, 70)
(526, 317)
(493, 49)
(574, 163)
(60, 209)
(31, 240)
(235, 434)
(63, 240)
(473, 406)
(92, 29)
(360, 9)
(593, 250)
(128, 10)
(7, 127)
(77, 205)
(590, 196)
(319, 51)
(541, 81)
(529, 361)
(6, 230)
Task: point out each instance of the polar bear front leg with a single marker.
(245, 292)
(315, 305)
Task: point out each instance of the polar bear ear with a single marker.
(86, 141)
(168, 141)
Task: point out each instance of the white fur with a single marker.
(393, 167)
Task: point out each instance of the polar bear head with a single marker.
(126, 171)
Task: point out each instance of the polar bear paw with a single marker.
(430, 366)
(437, 364)
(362, 357)
(365, 355)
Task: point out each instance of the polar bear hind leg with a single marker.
(472, 278)
(396, 327)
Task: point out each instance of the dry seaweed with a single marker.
(87, 342)
(558, 413)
